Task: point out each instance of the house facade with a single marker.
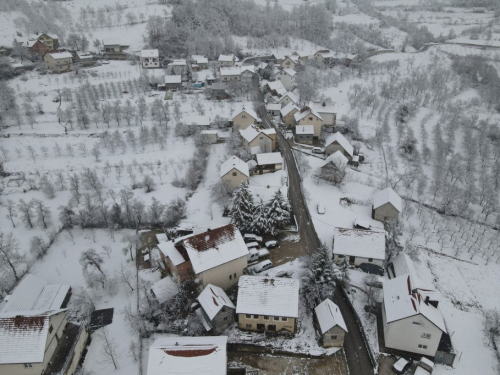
(177, 67)
(387, 205)
(290, 62)
(173, 82)
(233, 172)
(227, 60)
(256, 141)
(58, 62)
(177, 260)
(273, 109)
(308, 116)
(84, 58)
(328, 114)
(267, 304)
(114, 50)
(244, 118)
(248, 73)
(359, 246)
(287, 78)
(288, 98)
(36, 47)
(200, 61)
(150, 58)
(269, 162)
(334, 168)
(217, 311)
(230, 74)
(304, 134)
(288, 114)
(331, 324)
(337, 142)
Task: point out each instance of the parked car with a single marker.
(371, 269)
(249, 237)
(262, 266)
(252, 245)
(401, 365)
(248, 338)
(263, 252)
(318, 150)
(253, 255)
(321, 209)
(271, 244)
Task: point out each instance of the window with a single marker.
(234, 275)
(261, 138)
(230, 277)
(243, 116)
(256, 317)
(276, 318)
(417, 323)
(333, 337)
(51, 328)
(426, 335)
(266, 317)
(370, 260)
(225, 318)
(28, 365)
(248, 316)
(310, 118)
(248, 326)
(284, 319)
(420, 346)
(235, 174)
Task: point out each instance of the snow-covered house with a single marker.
(244, 118)
(359, 246)
(269, 162)
(33, 293)
(201, 122)
(247, 73)
(36, 46)
(234, 171)
(273, 109)
(401, 265)
(308, 116)
(50, 41)
(301, 56)
(188, 355)
(331, 324)
(177, 67)
(290, 62)
(287, 78)
(334, 167)
(326, 57)
(337, 142)
(150, 58)
(288, 112)
(328, 114)
(173, 82)
(287, 98)
(278, 57)
(267, 303)
(275, 88)
(84, 58)
(256, 140)
(227, 60)
(217, 311)
(113, 49)
(387, 205)
(58, 61)
(177, 259)
(210, 136)
(304, 133)
(40, 342)
(200, 61)
(411, 316)
(230, 73)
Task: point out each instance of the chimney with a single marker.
(426, 300)
(208, 230)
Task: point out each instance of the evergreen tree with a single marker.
(319, 280)
(243, 207)
(278, 211)
(260, 223)
(344, 277)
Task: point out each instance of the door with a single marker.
(351, 260)
(261, 327)
(271, 328)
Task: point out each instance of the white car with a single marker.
(251, 245)
(253, 255)
(318, 150)
(321, 209)
(262, 266)
(271, 244)
(263, 252)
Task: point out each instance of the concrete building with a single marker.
(217, 312)
(387, 205)
(150, 58)
(267, 304)
(288, 114)
(58, 61)
(331, 324)
(359, 246)
(234, 171)
(113, 49)
(287, 78)
(256, 140)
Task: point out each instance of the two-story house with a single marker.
(113, 49)
(331, 324)
(287, 78)
(230, 73)
(287, 98)
(227, 60)
(58, 61)
(290, 62)
(217, 311)
(308, 116)
(288, 115)
(244, 118)
(233, 172)
(267, 304)
(387, 205)
(333, 169)
(150, 58)
(337, 142)
(258, 141)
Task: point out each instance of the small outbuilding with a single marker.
(333, 169)
(273, 109)
(387, 205)
(217, 311)
(210, 136)
(269, 162)
(173, 82)
(359, 246)
(331, 324)
(150, 58)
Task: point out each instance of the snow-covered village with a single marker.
(259, 187)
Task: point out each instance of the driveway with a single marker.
(357, 356)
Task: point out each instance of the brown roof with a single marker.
(212, 238)
(190, 353)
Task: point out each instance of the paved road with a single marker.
(357, 356)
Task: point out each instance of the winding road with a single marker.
(358, 358)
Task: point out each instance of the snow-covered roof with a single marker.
(324, 109)
(304, 112)
(268, 131)
(269, 158)
(341, 140)
(164, 289)
(215, 247)
(326, 53)
(250, 133)
(249, 68)
(387, 196)
(289, 71)
(338, 159)
(200, 59)
(173, 79)
(226, 58)
(402, 299)
(277, 86)
(149, 53)
(288, 108)
(250, 112)
(32, 42)
(230, 70)
(404, 265)
(262, 295)
(293, 97)
(174, 251)
(213, 299)
(111, 42)
(304, 129)
(359, 243)
(161, 237)
(61, 55)
(273, 107)
(329, 316)
(23, 336)
(188, 355)
(234, 163)
(279, 55)
(294, 58)
(84, 55)
(33, 293)
(211, 132)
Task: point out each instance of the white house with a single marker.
(177, 67)
(227, 60)
(287, 78)
(234, 171)
(288, 114)
(287, 98)
(199, 62)
(334, 167)
(290, 62)
(331, 323)
(304, 134)
(337, 142)
(188, 355)
(267, 303)
(256, 140)
(359, 246)
(173, 82)
(245, 117)
(327, 113)
(387, 205)
(276, 88)
(230, 73)
(247, 73)
(150, 58)
(217, 311)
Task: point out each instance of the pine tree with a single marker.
(319, 282)
(278, 211)
(260, 224)
(243, 207)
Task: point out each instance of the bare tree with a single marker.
(32, 153)
(125, 275)
(11, 211)
(133, 242)
(74, 186)
(148, 183)
(43, 214)
(372, 292)
(91, 266)
(108, 346)
(26, 211)
(107, 250)
(10, 257)
(96, 153)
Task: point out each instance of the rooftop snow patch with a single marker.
(341, 140)
(329, 316)
(263, 295)
(234, 163)
(199, 59)
(387, 196)
(215, 247)
(213, 299)
(172, 79)
(359, 243)
(226, 58)
(269, 158)
(188, 355)
(149, 53)
(250, 133)
(290, 72)
(111, 42)
(61, 55)
(304, 112)
(288, 108)
(230, 71)
(273, 107)
(292, 96)
(174, 251)
(277, 86)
